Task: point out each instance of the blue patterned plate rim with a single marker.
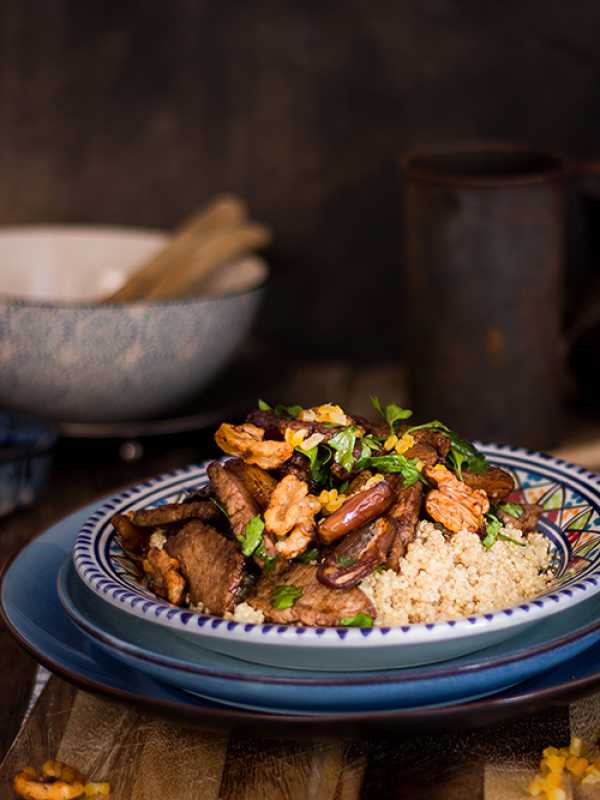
(96, 554)
(426, 672)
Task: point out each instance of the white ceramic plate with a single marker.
(570, 495)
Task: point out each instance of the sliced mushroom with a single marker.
(357, 555)
(357, 511)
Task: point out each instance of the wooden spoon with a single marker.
(225, 212)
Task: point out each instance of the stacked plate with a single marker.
(75, 600)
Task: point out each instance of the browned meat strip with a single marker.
(405, 517)
(495, 482)
(357, 555)
(317, 605)
(131, 537)
(256, 480)
(527, 521)
(173, 512)
(212, 565)
(268, 421)
(298, 466)
(359, 481)
(430, 445)
(233, 496)
(357, 511)
(164, 576)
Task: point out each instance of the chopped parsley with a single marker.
(493, 526)
(392, 413)
(215, 502)
(252, 536)
(285, 596)
(512, 509)
(359, 621)
(318, 458)
(280, 409)
(345, 561)
(409, 468)
(309, 556)
(343, 443)
(462, 453)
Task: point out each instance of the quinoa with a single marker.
(447, 576)
(245, 613)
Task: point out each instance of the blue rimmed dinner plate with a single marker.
(171, 659)
(569, 494)
(32, 612)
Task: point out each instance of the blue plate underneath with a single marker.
(32, 610)
(172, 659)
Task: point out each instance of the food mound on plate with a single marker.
(323, 518)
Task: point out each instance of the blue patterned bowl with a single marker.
(570, 495)
(25, 455)
(63, 356)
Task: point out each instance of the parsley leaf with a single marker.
(493, 526)
(345, 561)
(462, 453)
(343, 443)
(359, 621)
(252, 536)
(263, 405)
(317, 462)
(285, 596)
(407, 467)
(513, 509)
(505, 538)
(309, 556)
(215, 502)
(287, 411)
(392, 413)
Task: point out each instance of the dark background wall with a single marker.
(137, 111)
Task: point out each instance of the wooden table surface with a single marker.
(147, 757)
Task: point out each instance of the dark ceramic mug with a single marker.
(484, 229)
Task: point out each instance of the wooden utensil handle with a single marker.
(222, 246)
(226, 211)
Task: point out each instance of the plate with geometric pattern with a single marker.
(569, 494)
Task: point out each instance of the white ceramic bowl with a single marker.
(570, 495)
(63, 356)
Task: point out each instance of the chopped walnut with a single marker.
(163, 574)
(453, 503)
(247, 442)
(291, 511)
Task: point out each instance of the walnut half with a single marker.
(453, 503)
(247, 442)
(290, 516)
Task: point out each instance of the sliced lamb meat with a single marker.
(430, 445)
(317, 605)
(357, 555)
(233, 496)
(298, 466)
(173, 512)
(268, 421)
(212, 565)
(357, 511)
(405, 517)
(132, 538)
(256, 480)
(495, 482)
(164, 576)
(527, 521)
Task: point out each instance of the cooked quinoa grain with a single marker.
(450, 576)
